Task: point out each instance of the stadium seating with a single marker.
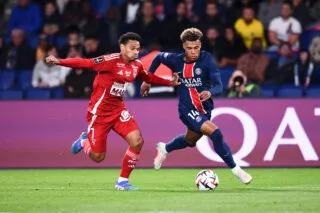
(11, 95)
(57, 93)
(6, 79)
(24, 79)
(313, 92)
(290, 91)
(36, 93)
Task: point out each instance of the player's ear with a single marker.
(121, 47)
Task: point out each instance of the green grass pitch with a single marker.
(163, 191)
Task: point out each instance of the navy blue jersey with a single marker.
(195, 77)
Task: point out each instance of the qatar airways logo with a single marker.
(289, 120)
(191, 82)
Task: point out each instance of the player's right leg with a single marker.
(180, 142)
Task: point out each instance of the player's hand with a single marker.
(175, 80)
(144, 89)
(52, 60)
(205, 95)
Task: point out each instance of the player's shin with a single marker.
(176, 143)
(222, 149)
(128, 164)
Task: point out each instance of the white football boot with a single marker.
(242, 175)
(161, 155)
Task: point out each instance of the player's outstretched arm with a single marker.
(77, 63)
(158, 59)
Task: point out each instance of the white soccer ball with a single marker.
(207, 180)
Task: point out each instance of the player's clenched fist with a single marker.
(52, 60)
(175, 80)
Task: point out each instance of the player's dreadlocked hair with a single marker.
(191, 34)
(129, 36)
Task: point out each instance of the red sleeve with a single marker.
(152, 79)
(97, 64)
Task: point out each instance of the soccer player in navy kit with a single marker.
(200, 81)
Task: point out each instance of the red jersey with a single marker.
(110, 83)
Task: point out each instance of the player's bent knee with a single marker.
(138, 143)
(98, 157)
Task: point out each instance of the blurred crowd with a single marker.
(257, 44)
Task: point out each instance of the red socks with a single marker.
(129, 161)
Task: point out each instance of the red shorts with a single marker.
(99, 126)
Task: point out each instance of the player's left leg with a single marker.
(128, 129)
(223, 150)
(180, 142)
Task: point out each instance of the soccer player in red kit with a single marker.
(106, 109)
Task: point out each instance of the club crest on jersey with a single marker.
(198, 71)
(125, 116)
(120, 72)
(198, 119)
(98, 60)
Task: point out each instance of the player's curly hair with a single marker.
(191, 34)
(129, 36)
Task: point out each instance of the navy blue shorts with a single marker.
(194, 119)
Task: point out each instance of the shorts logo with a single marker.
(125, 116)
(198, 71)
(198, 119)
(98, 60)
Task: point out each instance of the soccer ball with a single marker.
(207, 180)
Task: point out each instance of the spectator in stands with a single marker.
(73, 41)
(268, 10)
(73, 14)
(79, 81)
(147, 24)
(47, 75)
(78, 84)
(191, 13)
(239, 87)
(3, 50)
(92, 47)
(42, 47)
(213, 43)
(237, 7)
(284, 28)
(248, 27)
(303, 73)
(254, 63)
(19, 55)
(211, 18)
(232, 48)
(26, 16)
(52, 21)
(280, 65)
(90, 24)
(129, 11)
(159, 10)
(301, 12)
(175, 25)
